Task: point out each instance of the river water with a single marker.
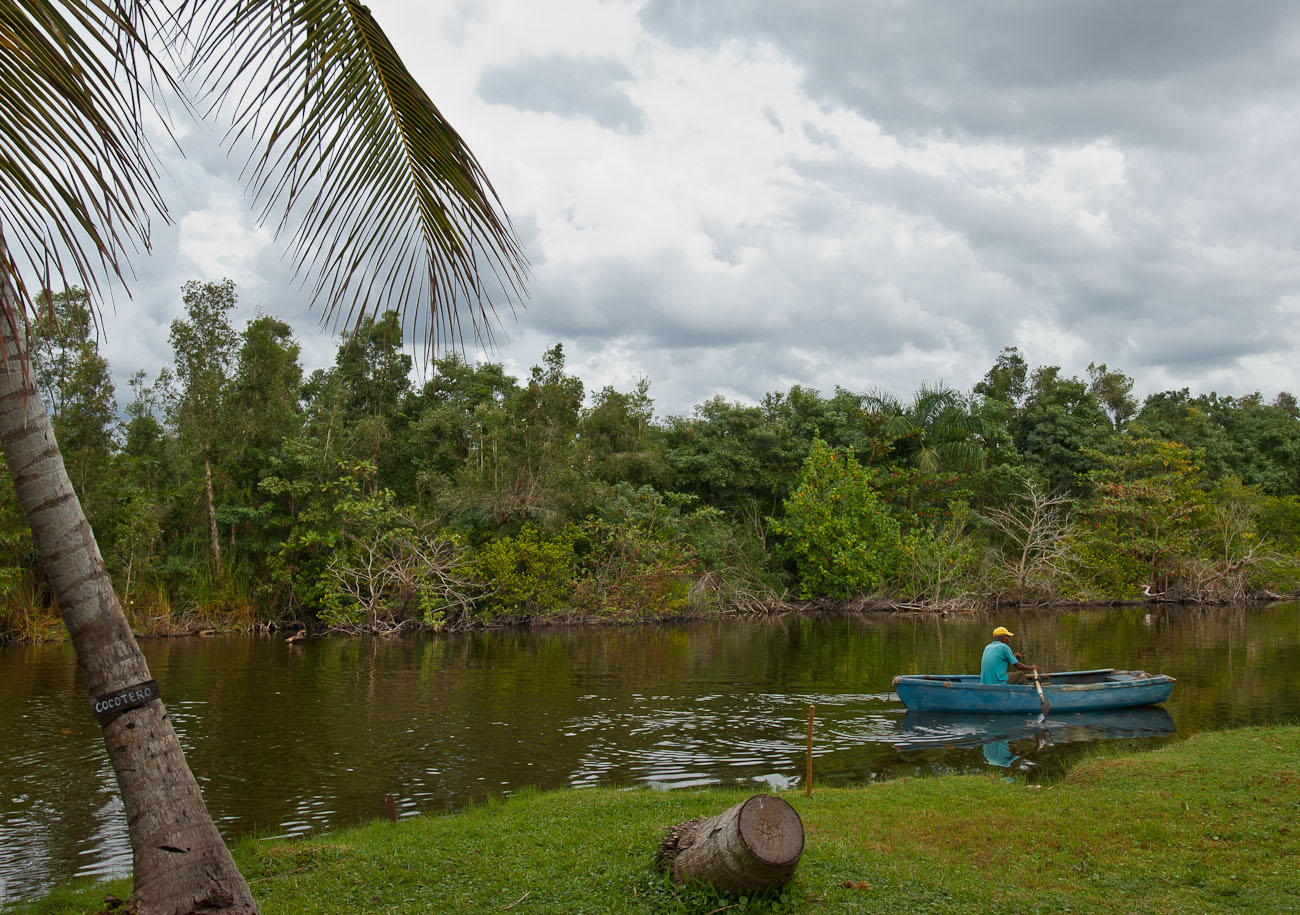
(289, 738)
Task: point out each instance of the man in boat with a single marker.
(1000, 664)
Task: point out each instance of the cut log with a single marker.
(751, 847)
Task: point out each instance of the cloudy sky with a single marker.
(735, 196)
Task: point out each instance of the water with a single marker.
(288, 738)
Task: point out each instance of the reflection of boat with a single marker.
(952, 729)
(1075, 690)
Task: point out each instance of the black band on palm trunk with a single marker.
(108, 706)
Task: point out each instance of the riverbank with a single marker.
(45, 626)
(1204, 825)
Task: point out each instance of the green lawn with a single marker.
(1209, 824)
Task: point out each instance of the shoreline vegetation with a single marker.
(49, 628)
(1207, 824)
(232, 493)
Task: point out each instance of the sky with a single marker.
(732, 197)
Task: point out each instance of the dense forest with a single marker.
(233, 492)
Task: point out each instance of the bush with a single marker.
(724, 560)
(1099, 563)
(835, 530)
(1249, 542)
(381, 580)
(939, 562)
(629, 570)
(528, 574)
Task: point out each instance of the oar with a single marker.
(1047, 706)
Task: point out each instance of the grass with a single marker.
(25, 613)
(1210, 824)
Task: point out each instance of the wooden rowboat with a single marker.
(1071, 691)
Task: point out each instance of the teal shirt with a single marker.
(998, 656)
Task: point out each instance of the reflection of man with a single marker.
(999, 754)
(999, 663)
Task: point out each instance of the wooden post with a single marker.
(808, 779)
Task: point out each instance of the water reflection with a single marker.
(288, 738)
(681, 741)
(1010, 739)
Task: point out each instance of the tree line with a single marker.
(232, 491)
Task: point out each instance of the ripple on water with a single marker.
(735, 737)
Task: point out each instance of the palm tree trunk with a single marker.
(180, 863)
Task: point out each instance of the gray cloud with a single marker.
(795, 317)
(569, 86)
(1174, 284)
(1149, 72)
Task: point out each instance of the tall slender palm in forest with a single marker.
(377, 194)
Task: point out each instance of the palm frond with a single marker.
(958, 455)
(379, 193)
(77, 186)
(881, 402)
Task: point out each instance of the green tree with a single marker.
(203, 347)
(1240, 548)
(72, 374)
(835, 530)
(1007, 379)
(378, 189)
(264, 410)
(997, 401)
(525, 574)
(1140, 525)
(454, 423)
(544, 471)
(143, 431)
(147, 459)
(1059, 426)
(1235, 436)
(732, 457)
(266, 387)
(530, 465)
(19, 579)
(933, 440)
(939, 559)
(1114, 391)
(618, 435)
(375, 377)
(801, 415)
(78, 388)
(936, 431)
(303, 485)
(355, 560)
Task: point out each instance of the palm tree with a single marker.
(935, 432)
(376, 192)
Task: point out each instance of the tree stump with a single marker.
(751, 847)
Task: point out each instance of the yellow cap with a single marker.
(1002, 630)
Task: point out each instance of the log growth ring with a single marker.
(772, 830)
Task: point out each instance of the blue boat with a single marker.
(1070, 691)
